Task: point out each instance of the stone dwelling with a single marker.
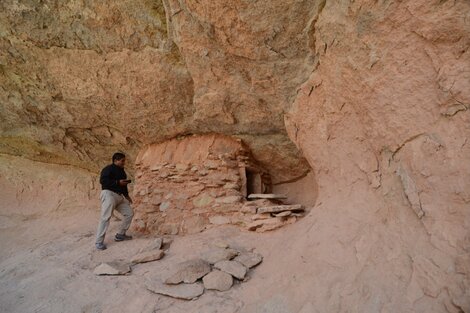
(187, 184)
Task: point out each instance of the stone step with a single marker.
(280, 208)
(266, 196)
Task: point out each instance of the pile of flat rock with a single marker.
(218, 269)
(153, 252)
(270, 213)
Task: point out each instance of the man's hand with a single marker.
(123, 182)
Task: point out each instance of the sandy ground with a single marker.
(47, 266)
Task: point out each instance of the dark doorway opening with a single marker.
(254, 182)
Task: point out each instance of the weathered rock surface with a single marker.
(182, 291)
(112, 268)
(389, 151)
(233, 268)
(217, 254)
(148, 256)
(218, 280)
(374, 94)
(189, 272)
(140, 60)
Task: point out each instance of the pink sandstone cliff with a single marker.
(362, 105)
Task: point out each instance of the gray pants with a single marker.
(111, 201)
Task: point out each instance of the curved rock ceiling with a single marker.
(84, 78)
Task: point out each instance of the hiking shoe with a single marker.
(101, 246)
(122, 237)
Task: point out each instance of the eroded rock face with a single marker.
(377, 101)
(81, 80)
(379, 120)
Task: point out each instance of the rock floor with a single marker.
(44, 269)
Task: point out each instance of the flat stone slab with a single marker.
(271, 222)
(182, 291)
(261, 216)
(217, 254)
(233, 268)
(249, 259)
(112, 268)
(280, 208)
(217, 280)
(189, 272)
(266, 196)
(148, 256)
(282, 214)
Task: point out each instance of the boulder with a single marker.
(112, 268)
(147, 256)
(233, 268)
(249, 259)
(217, 280)
(183, 291)
(189, 272)
(216, 255)
(280, 208)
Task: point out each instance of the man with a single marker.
(114, 196)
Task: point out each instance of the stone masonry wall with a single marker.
(185, 185)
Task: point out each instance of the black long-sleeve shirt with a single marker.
(109, 179)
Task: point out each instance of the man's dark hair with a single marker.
(118, 156)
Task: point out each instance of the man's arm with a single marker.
(126, 194)
(106, 180)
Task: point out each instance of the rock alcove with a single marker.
(185, 185)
